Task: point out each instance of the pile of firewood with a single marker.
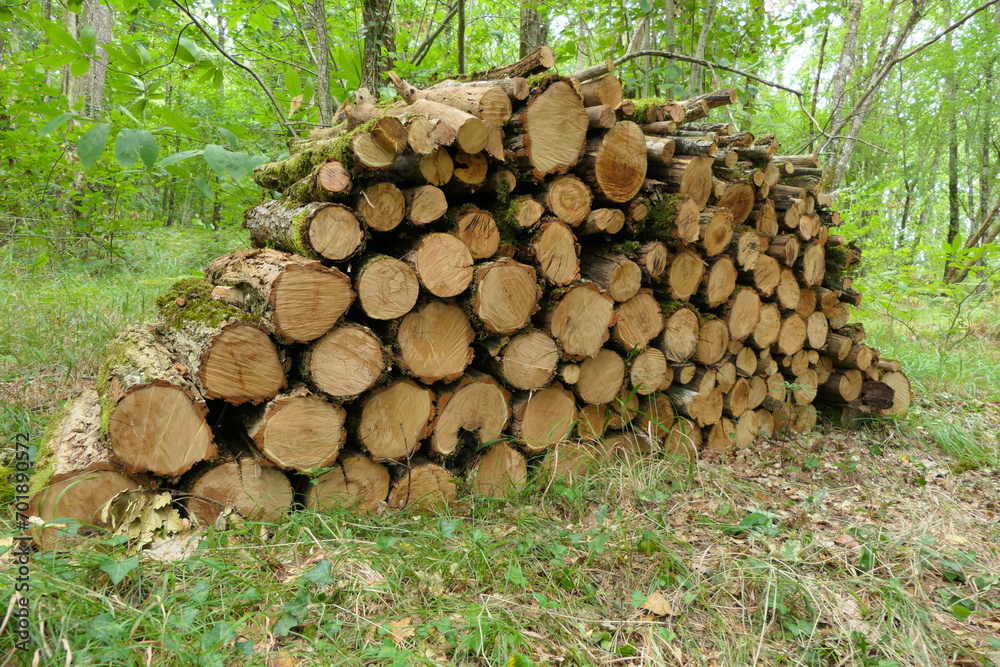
(484, 274)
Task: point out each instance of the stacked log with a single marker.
(480, 276)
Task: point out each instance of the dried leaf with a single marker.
(401, 630)
(657, 604)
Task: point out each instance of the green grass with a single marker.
(872, 548)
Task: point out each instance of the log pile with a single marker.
(482, 275)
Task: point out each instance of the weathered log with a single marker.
(315, 231)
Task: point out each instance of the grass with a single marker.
(872, 548)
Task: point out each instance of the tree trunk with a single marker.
(323, 99)
(534, 31)
(379, 33)
(696, 84)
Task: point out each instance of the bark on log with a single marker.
(315, 231)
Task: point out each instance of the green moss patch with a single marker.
(190, 301)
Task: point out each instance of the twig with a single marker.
(246, 68)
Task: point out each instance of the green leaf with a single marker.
(293, 83)
(228, 137)
(92, 144)
(88, 39)
(961, 613)
(127, 147)
(148, 150)
(225, 162)
(80, 66)
(515, 575)
(321, 574)
(54, 124)
(219, 634)
(62, 40)
(180, 156)
(118, 569)
(143, 54)
(153, 4)
(204, 188)
(178, 122)
(638, 599)
(188, 51)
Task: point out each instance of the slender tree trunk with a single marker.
(696, 86)
(845, 65)
(581, 44)
(461, 36)
(99, 18)
(323, 99)
(952, 168)
(819, 72)
(380, 33)
(534, 29)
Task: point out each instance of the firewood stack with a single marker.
(483, 274)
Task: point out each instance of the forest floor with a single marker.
(873, 547)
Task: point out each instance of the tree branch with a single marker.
(249, 70)
(425, 47)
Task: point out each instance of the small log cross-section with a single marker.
(387, 287)
(500, 473)
(434, 342)
(422, 484)
(254, 491)
(475, 403)
(297, 430)
(300, 299)
(345, 362)
(506, 295)
(443, 264)
(355, 482)
(394, 419)
(527, 362)
(555, 128)
(580, 320)
(315, 231)
(555, 253)
(542, 419)
(617, 169)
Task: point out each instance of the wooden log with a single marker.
(505, 295)
(768, 327)
(555, 129)
(346, 362)
(253, 491)
(227, 354)
(737, 399)
(648, 371)
(601, 116)
(638, 321)
(680, 335)
(758, 392)
(542, 419)
(522, 212)
(902, 395)
(470, 171)
(477, 229)
(527, 362)
(614, 166)
(614, 272)
(601, 377)
(394, 419)
(742, 313)
(568, 198)
(488, 102)
(297, 430)
(652, 258)
(381, 206)
(358, 152)
(75, 471)
(315, 231)
(713, 342)
(720, 438)
(659, 127)
(355, 482)
(606, 90)
(720, 281)
(602, 220)
(704, 409)
(387, 288)
(784, 248)
(817, 330)
(837, 346)
(434, 342)
(516, 87)
(535, 62)
(422, 484)
(716, 226)
(694, 146)
(297, 299)
(443, 264)
(683, 441)
(860, 357)
(475, 404)
(425, 204)
(792, 335)
(813, 264)
(766, 219)
(684, 275)
(436, 168)
(329, 181)
(787, 292)
(767, 275)
(579, 318)
(471, 132)
(841, 387)
(739, 200)
(501, 472)
(687, 176)
(155, 415)
(555, 252)
(656, 415)
(659, 149)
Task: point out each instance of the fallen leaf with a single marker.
(401, 630)
(657, 604)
